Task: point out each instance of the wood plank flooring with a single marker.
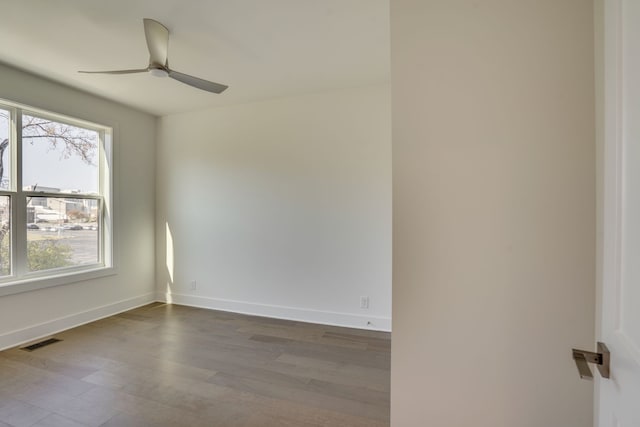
(170, 365)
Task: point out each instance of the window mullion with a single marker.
(15, 134)
(106, 186)
(19, 206)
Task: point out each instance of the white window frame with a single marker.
(20, 279)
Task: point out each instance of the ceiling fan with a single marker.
(157, 37)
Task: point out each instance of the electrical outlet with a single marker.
(364, 302)
(192, 285)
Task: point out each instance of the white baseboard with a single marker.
(279, 312)
(31, 333)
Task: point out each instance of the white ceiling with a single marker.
(260, 48)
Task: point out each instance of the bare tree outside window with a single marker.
(74, 141)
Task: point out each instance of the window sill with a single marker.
(64, 278)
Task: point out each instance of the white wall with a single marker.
(33, 314)
(280, 208)
(494, 212)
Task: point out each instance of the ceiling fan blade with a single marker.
(198, 83)
(157, 37)
(139, 70)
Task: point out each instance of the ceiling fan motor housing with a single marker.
(158, 71)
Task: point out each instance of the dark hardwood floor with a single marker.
(169, 365)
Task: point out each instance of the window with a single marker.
(55, 214)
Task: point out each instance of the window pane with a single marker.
(57, 157)
(5, 235)
(5, 158)
(62, 232)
